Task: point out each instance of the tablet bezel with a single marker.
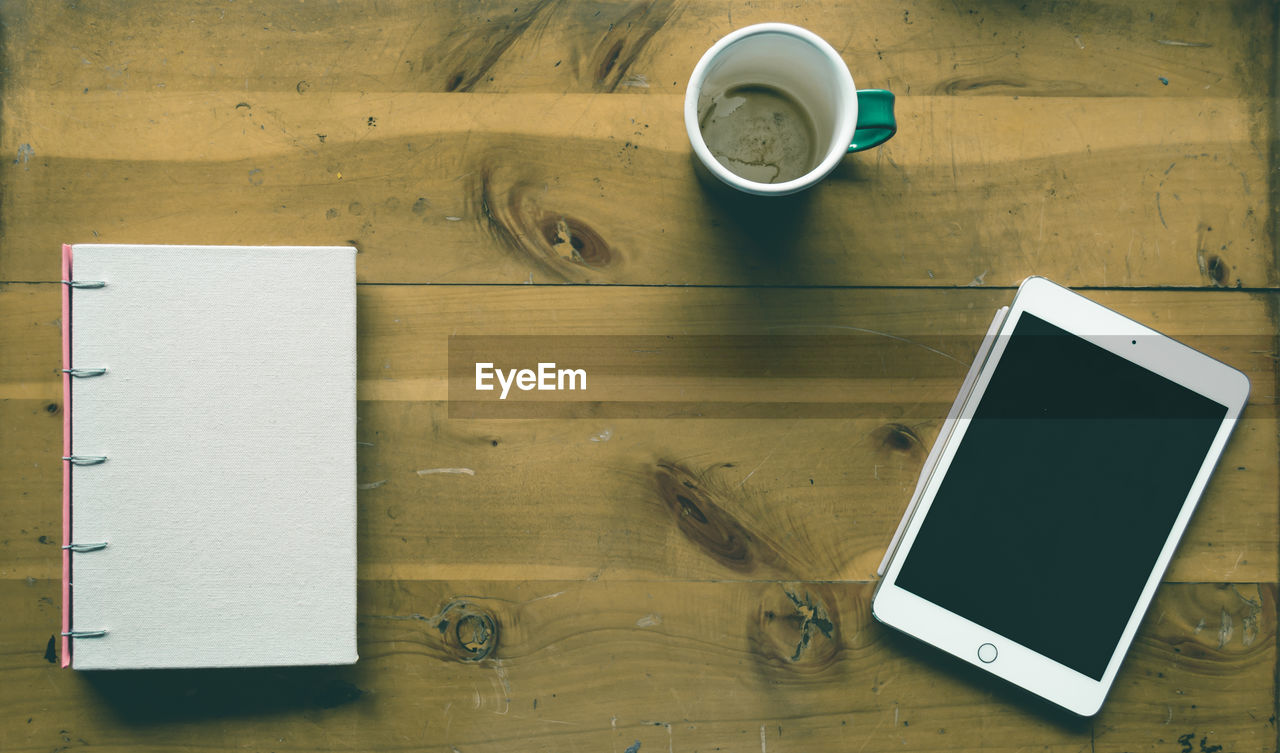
(1134, 342)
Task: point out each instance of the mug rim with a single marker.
(847, 115)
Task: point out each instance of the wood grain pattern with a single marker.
(1098, 49)
(638, 585)
(779, 666)
(802, 499)
(452, 188)
(465, 181)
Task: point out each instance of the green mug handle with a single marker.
(875, 119)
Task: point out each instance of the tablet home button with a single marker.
(987, 653)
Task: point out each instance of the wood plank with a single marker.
(556, 499)
(575, 666)
(479, 188)
(920, 46)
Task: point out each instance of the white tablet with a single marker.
(1059, 495)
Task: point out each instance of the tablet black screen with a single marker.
(1061, 495)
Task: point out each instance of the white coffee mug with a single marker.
(807, 69)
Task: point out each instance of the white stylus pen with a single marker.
(979, 359)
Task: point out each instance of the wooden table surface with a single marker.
(522, 168)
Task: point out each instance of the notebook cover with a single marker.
(227, 416)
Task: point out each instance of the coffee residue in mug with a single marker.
(759, 133)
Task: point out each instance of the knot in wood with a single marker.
(573, 240)
(469, 632)
(898, 437)
(702, 519)
(794, 629)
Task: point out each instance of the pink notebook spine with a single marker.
(66, 452)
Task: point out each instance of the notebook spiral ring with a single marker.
(85, 459)
(96, 546)
(82, 373)
(84, 633)
(85, 283)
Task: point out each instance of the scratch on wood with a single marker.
(414, 616)
(871, 736)
(743, 482)
(1249, 621)
(935, 351)
(1255, 603)
(371, 485)
(454, 471)
(1248, 629)
(506, 685)
(1225, 629)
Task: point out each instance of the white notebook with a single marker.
(210, 446)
